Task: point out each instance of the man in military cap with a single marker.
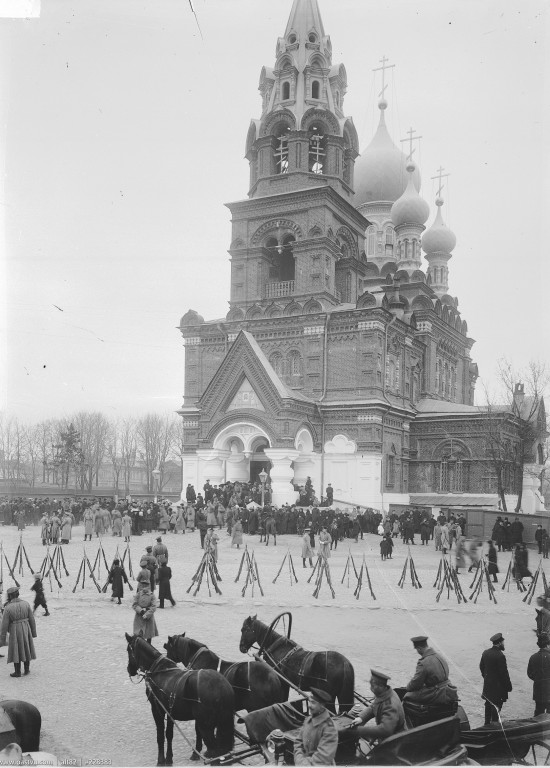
(496, 680)
(18, 622)
(318, 739)
(152, 565)
(160, 549)
(386, 709)
(430, 684)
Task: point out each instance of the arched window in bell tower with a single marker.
(286, 260)
(286, 90)
(315, 89)
(317, 149)
(371, 240)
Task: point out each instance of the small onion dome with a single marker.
(410, 208)
(191, 317)
(438, 238)
(379, 173)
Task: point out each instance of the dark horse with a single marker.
(327, 670)
(204, 696)
(254, 684)
(25, 721)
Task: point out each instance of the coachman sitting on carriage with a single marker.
(429, 691)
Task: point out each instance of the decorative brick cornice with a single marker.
(314, 330)
(424, 326)
(371, 325)
(191, 340)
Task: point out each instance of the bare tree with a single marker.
(94, 431)
(515, 426)
(128, 450)
(155, 442)
(114, 450)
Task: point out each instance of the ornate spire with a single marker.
(304, 18)
(438, 242)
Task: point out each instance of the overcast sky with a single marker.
(122, 136)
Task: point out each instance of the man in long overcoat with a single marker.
(538, 670)
(496, 680)
(18, 622)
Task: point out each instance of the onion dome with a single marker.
(191, 317)
(438, 238)
(379, 173)
(410, 208)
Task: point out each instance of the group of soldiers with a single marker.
(430, 686)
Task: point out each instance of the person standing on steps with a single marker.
(18, 622)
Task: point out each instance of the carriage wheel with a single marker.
(540, 752)
(274, 624)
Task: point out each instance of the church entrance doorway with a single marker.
(256, 467)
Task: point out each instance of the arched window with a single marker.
(315, 89)
(446, 381)
(347, 296)
(451, 474)
(389, 235)
(277, 363)
(286, 90)
(397, 377)
(337, 98)
(317, 150)
(437, 375)
(371, 240)
(294, 363)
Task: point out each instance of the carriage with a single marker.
(434, 736)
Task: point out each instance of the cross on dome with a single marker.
(383, 69)
(410, 140)
(440, 175)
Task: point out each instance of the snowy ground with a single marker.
(92, 711)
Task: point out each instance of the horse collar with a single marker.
(196, 655)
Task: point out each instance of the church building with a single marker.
(343, 357)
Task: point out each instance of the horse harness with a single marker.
(235, 665)
(306, 661)
(176, 690)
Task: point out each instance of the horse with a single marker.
(254, 683)
(328, 670)
(25, 721)
(204, 696)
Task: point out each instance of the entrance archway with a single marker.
(243, 444)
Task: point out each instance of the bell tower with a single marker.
(298, 236)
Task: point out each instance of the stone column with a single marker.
(531, 497)
(281, 475)
(238, 467)
(211, 466)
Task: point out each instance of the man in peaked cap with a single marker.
(18, 622)
(430, 683)
(496, 680)
(386, 709)
(160, 549)
(318, 739)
